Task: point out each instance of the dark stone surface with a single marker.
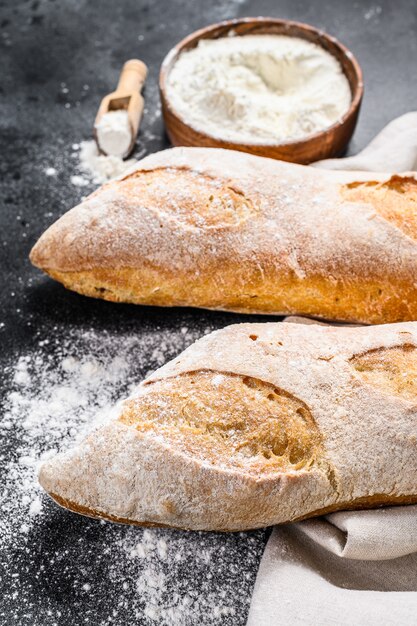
(43, 45)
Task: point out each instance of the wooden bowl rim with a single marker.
(195, 36)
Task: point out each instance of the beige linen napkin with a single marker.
(348, 568)
(394, 149)
(300, 583)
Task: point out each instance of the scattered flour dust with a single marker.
(95, 167)
(58, 391)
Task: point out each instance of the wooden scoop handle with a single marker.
(132, 77)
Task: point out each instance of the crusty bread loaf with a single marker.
(225, 230)
(254, 425)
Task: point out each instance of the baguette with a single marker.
(254, 425)
(221, 229)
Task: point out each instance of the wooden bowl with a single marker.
(322, 145)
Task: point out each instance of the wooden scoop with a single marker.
(126, 97)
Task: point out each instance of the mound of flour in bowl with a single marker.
(263, 89)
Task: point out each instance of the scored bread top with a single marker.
(256, 424)
(340, 375)
(230, 421)
(245, 205)
(221, 229)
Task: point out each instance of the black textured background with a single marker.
(43, 44)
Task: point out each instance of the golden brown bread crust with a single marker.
(395, 200)
(233, 421)
(251, 425)
(223, 230)
(254, 425)
(370, 502)
(392, 370)
(368, 302)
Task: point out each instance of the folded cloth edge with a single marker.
(363, 535)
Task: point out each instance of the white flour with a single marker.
(88, 168)
(114, 134)
(54, 400)
(97, 168)
(57, 391)
(258, 88)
